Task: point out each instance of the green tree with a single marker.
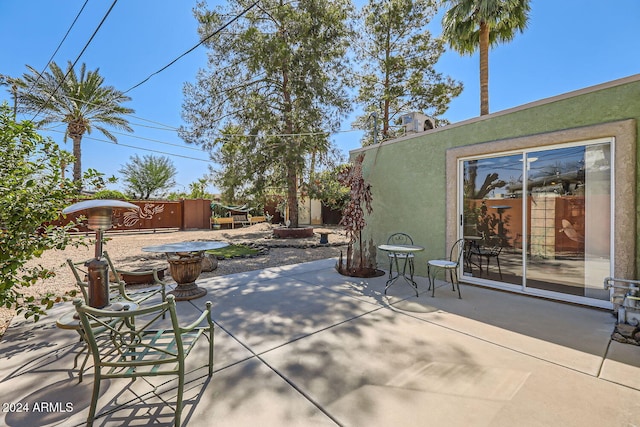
(32, 193)
(398, 57)
(109, 194)
(326, 187)
(81, 100)
(276, 73)
(471, 25)
(148, 176)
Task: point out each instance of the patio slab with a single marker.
(302, 345)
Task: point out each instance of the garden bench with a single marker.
(257, 219)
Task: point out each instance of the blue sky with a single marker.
(568, 45)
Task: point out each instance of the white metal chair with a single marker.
(451, 265)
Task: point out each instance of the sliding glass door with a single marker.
(540, 220)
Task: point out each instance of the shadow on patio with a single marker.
(302, 345)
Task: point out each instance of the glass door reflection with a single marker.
(569, 218)
(492, 219)
(540, 220)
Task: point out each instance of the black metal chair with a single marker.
(451, 265)
(487, 252)
(400, 239)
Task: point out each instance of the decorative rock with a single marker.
(209, 262)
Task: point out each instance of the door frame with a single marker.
(623, 159)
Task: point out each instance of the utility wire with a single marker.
(235, 18)
(59, 46)
(171, 128)
(104, 18)
(139, 148)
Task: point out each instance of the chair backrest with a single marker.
(400, 239)
(81, 275)
(456, 251)
(116, 338)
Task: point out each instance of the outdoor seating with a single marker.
(400, 239)
(451, 265)
(117, 286)
(122, 350)
(488, 252)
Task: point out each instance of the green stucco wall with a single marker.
(408, 176)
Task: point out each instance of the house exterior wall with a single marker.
(412, 178)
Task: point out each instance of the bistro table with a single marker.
(71, 321)
(404, 252)
(185, 264)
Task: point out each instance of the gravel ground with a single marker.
(125, 251)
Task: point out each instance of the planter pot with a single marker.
(292, 233)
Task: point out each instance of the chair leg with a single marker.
(429, 276)
(179, 403)
(457, 283)
(94, 397)
(390, 267)
(499, 269)
(180, 392)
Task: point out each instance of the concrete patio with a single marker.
(301, 345)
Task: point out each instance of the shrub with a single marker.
(110, 194)
(32, 193)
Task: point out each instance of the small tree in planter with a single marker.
(354, 222)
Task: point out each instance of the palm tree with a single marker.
(472, 24)
(82, 101)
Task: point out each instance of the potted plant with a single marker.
(216, 224)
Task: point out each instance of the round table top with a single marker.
(186, 247)
(70, 320)
(472, 237)
(401, 248)
(500, 207)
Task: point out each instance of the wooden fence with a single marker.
(156, 215)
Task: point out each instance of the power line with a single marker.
(139, 148)
(158, 141)
(104, 18)
(60, 44)
(171, 128)
(235, 18)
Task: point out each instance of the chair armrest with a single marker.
(206, 314)
(153, 272)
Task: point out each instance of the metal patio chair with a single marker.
(493, 250)
(400, 239)
(451, 265)
(125, 345)
(117, 286)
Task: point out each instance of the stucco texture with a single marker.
(414, 178)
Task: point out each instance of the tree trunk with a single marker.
(292, 195)
(77, 165)
(292, 163)
(484, 69)
(387, 83)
